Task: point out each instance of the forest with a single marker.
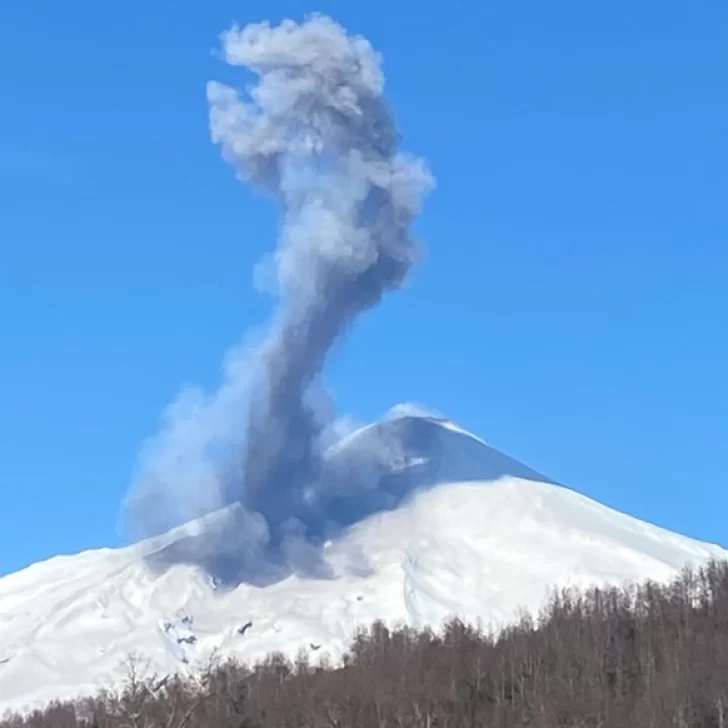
(643, 656)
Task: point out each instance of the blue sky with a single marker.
(570, 309)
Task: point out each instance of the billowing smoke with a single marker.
(316, 134)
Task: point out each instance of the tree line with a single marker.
(644, 656)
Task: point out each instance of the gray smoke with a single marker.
(316, 134)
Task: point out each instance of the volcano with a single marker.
(434, 523)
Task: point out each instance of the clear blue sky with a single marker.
(571, 308)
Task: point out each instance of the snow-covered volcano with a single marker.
(440, 525)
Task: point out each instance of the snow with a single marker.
(481, 549)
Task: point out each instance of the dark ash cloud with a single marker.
(316, 134)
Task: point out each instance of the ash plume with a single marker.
(316, 134)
